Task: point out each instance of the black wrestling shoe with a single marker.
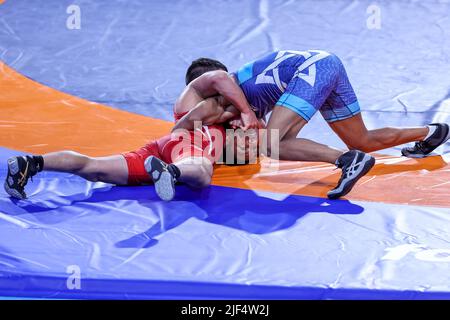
(20, 169)
(163, 177)
(423, 148)
(354, 164)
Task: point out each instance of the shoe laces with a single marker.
(22, 185)
(421, 146)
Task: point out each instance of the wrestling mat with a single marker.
(260, 231)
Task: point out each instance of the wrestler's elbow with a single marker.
(218, 80)
(219, 76)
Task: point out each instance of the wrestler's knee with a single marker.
(364, 144)
(205, 176)
(361, 145)
(272, 148)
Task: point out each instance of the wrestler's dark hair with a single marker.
(202, 65)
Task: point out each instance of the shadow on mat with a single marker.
(238, 209)
(234, 208)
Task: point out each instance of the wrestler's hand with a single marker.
(249, 120)
(236, 123)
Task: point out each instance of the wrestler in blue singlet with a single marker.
(302, 81)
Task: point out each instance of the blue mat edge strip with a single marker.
(32, 286)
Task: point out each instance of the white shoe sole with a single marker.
(165, 186)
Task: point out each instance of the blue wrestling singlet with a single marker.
(303, 81)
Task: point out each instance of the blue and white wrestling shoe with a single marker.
(164, 177)
(423, 148)
(354, 164)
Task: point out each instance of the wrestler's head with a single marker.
(241, 147)
(202, 65)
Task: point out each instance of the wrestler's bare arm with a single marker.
(207, 112)
(215, 83)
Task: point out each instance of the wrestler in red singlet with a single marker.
(206, 142)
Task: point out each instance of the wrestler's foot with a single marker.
(20, 169)
(163, 177)
(422, 148)
(354, 164)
